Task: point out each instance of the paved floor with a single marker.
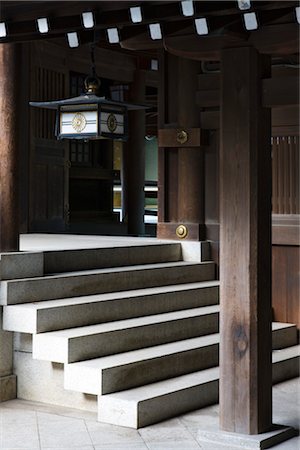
(36, 426)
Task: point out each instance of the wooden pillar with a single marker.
(245, 241)
(181, 164)
(190, 160)
(134, 161)
(9, 87)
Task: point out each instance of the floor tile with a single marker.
(58, 431)
(205, 418)
(17, 416)
(174, 445)
(86, 447)
(18, 429)
(157, 433)
(131, 446)
(102, 434)
(20, 436)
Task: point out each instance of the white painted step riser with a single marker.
(114, 379)
(117, 341)
(92, 380)
(87, 259)
(22, 319)
(73, 285)
(117, 410)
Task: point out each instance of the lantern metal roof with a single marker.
(86, 99)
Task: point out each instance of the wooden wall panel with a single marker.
(48, 199)
(285, 161)
(285, 284)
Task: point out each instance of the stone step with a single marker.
(90, 282)
(283, 335)
(136, 368)
(144, 366)
(286, 363)
(145, 405)
(71, 312)
(82, 343)
(98, 258)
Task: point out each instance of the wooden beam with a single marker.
(170, 137)
(283, 118)
(245, 239)
(276, 91)
(281, 91)
(10, 56)
(279, 39)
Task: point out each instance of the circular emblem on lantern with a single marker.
(181, 231)
(112, 123)
(79, 122)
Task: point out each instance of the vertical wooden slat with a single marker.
(281, 176)
(286, 176)
(274, 177)
(297, 187)
(291, 176)
(285, 192)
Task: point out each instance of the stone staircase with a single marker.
(130, 331)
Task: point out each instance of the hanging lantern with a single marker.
(90, 116)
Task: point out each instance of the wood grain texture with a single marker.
(134, 160)
(10, 57)
(196, 137)
(196, 232)
(285, 165)
(276, 92)
(282, 119)
(281, 39)
(181, 167)
(49, 178)
(245, 253)
(286, 283)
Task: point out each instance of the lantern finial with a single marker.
(92, 84)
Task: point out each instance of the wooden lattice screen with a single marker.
(285, 160)
(48, 85)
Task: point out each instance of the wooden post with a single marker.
(134, 161)
(190, 160)
(9, 180)
(245, 240)
(181, 167)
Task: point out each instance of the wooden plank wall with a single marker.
(285, 229)
(48, 178)
(285, 161)
(285, 184)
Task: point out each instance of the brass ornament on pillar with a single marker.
(182, 136)
(181, 231)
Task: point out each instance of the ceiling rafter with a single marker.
(224, 21)
(71, 20)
